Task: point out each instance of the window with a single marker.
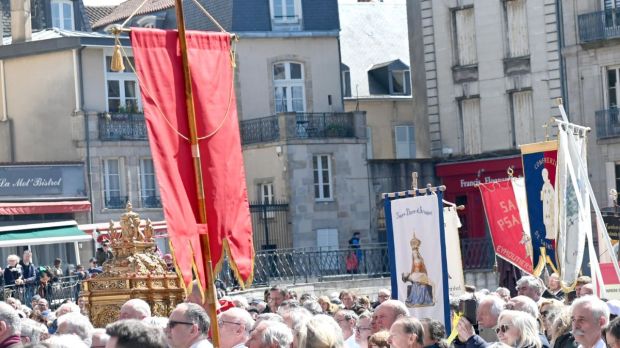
(522, 117)
(149, 193)
(346, 82)
(612, 12)
(327, 239)
(465, 36)
(369, 154)
(399, 82)
(122, 88)
(516, 22)
(288, 81)
(321, 165)
(284, 11)
(405, 141)
(617, 178)
(62, 14)
(112, 184)
(266, 193)
(613, 87)
(470, 126)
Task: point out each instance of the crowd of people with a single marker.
(541, 315)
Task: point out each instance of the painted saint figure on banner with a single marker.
(547, 196)
(420, 292)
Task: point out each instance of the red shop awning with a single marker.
(27, 208)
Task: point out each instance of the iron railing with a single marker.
(600, 25)
(298, 126)
(116, 202)
(308, 265)
(321, 125)
(58, 292)
(270, 225)
(260, 130)
(477, 253)
(121, 126)
(151, 202)
(607, 123)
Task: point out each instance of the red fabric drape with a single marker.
(160, 74)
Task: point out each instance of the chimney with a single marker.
(21, 24)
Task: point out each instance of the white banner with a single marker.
(419, 269)
(452, 223)
(573, 220)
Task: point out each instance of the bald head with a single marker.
(387, 313)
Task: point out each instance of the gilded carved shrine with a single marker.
(136, 271)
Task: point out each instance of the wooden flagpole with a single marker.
(191, 117)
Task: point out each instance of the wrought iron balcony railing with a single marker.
(607, 123)
(600, 25)
(260, 130)
(116, 202)
(298, 126)
(121, 126)
(477, 253)
(151, 202)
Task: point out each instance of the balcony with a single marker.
(607, 123)
(116, 202)
(121, 126)
(151, 202)
(600, 25)
(292, 126)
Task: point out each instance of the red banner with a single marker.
(502, 212)
(160, 74)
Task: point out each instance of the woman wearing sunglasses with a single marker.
(518, 329)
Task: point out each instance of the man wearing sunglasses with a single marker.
(188, 326)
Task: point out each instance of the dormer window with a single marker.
(390, 78)
(285, 14)
(62, 14)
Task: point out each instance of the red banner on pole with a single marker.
(509, 237)
(160, 74)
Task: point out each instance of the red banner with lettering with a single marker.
(511, 240)
(160, 73)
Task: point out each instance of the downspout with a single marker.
(559, 13)
(5, 114)
(86, 132)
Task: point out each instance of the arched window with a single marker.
(289, 91)
(62, 14)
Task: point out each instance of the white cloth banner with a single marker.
(574, 220)
(452, 223)
(419, 269)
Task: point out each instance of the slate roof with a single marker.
(233, 15)
(55, 33)
(372, 33)
(125, 9)
(95, 13)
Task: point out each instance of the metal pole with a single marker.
(191, 117)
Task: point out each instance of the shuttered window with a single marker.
(516, 19)
(405, 141)
(470, 126)
(522, 117)
(466, 36)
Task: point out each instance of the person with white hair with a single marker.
(31, 331)
(489, 308)
(240, 301)
(135, 309)
(518, 329)
(406, 332)
(531, 287)
(100, 338)
(387, 313)
(321, 332)
(76, 324)
(589, 316)
(10, 326)
(65, 341)
(68, 307)
(270, 334)
(523, 304)
(235, 325)
(347, 320)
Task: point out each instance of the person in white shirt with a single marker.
(589, 316)
(235, 325)
(188, 327)
(347, 320)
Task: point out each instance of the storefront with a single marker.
(40, 206)
(461, 178)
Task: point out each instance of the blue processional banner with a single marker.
(418, 263)
(539, 169)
